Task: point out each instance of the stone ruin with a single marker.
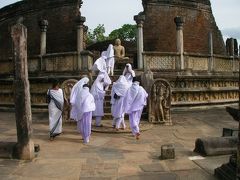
(178, 41)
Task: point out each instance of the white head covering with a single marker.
(121, 86)
(110, 51)
(77, 88)
(129, 70)
(135, 98)
(85, 102)
(100, 63)
(97, 85)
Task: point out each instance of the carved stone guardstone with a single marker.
(67, 88)
(160, 103)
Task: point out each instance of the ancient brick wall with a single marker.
(61, 34)
(160, 29)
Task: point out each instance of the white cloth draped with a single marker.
(110, 56)
(55, 114)
(85, 103)
(135, 99)
(129, 73)
(120, 88)
(100, 63)
(98, 93)
(75, 90)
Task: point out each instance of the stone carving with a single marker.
(160, 102)
(67, 88)
(155, 62)
(221, 64)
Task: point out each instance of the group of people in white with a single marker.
(127, 97)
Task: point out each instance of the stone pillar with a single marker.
(43, 24)
(233, 55)
(80, 32)
(140, 18)
(210, 44)
(180, 48)
(25, 147)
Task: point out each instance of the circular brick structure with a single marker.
(160, 30)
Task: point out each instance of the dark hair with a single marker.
(55, 83)
(86, 85)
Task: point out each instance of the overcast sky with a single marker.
(114, 13)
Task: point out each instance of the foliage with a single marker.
(97, 35)
(127, 33)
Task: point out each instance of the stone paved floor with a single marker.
(118, 156)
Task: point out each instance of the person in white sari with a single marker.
(119, 90)
(98, 93)
(129, 73)
(110, 59)
(100, 63)
(85, 106)
(75, 90)
(101, 67)
(134, 101)
(55, 101)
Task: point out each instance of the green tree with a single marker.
(96, 35)
(127, 32)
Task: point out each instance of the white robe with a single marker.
(119, 88)
(134, 101)
(110, 56)
(75, 90)
(85, 106)
(98, 93)
(129, 73)
(55, 108)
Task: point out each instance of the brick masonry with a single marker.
(61, 33)
(160, 29)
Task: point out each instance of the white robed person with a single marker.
(98, 93)
(119, 90)
(55, 100)
(110, 61)
(85, 106)
(100, 67)
(134, 101)
(129, 73)
(75, 90)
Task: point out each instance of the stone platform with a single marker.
(118, 156)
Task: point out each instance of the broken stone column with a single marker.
(24, 148)
(140, 18)
(179, 21)
(43, 24)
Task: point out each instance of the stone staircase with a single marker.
(119, 67)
